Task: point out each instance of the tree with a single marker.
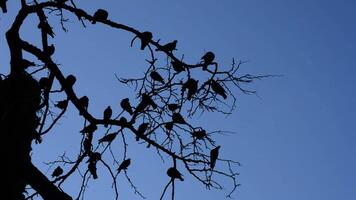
(167, 97)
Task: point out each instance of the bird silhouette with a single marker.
(218, 89)
(100, 15)
(141, 130)
(3, 6)
(174, 174)
(214, 154)
(199, 134)
(156, 77)
(62, 104)
(87, 145)
(50, 50)
(84, 103)
(148, 100)
(94, 157)
(124, 165)
(107, 116)
(44, 83)
(91, 128)
(26, 64)
(57, 172)
(169, 47)
(108, 138)
(173, 106)
(207, 58)
(46, 28)
(178, 66)
(169, 126)
(178, 119)
(70, 80)
(92, 169)
(126, 106)
(192, 86)
(146, 37)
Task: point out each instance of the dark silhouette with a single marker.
(35, 96)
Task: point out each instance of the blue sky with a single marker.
(295, 140)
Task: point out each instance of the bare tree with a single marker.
(167, 96)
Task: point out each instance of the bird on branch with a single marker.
(174, 173)
(107, 116)
(214, 154)
(177, 66)
(169, 47)
(124, 165)
(218, 89)
(156, 77)
(207, 58)
(57, 172)
(126, 106)
(192, 86)
(108, 138)
(100, 15)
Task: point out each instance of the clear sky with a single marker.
(296, 139)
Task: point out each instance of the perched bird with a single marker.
(218, 89)
(214, 154)
(3, 6)
(100, 15)
(146, 37)
(169, 47)
(108, 138)
(70, 80)
(92, 169)
(169, 126)
(199, 134)
(26, 63)
(94, 157)
(192, 86)
(207, 58)
(173, 106)
(148, 100)
(46, 28)
(87, 145)
(123, 121)
(57, 172)
(107, 116)
(50, 50)
(156, 77)
(91, 128)
(174, 174)
(44, 83)
(178, 66)
(62, 104)
(124, 165)
(126, 106)
(178, 119)
(141, 130)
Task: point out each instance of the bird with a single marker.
(169, 47)
(26, 63)
(123, 121)
(126, 106)
(91, 128)
(94, 157)
(156, 77)
(46, 28)
(100, 15)
(174, 173)
(108, 138)
(214, 154)
(84, 103)
(107, 116)
(148, 100)
(44, 83)
(178, 119)
(207, 58)
(177, 66)
(92, 169)
(124, 165)
(50, 50)
(3, 6)
(169, 126)
(173, 106)
(87, 145)
(57, 172)
(146, 37)
(70, 80)
(141, 130)
(62, 104)
(199, 134)
(218, 89)
(192, 86)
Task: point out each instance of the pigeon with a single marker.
(57, 172)
(70, 80)
(50, 50)
(169, 47)
(178, 66)
(44, 83)
(91, 128)
(156, 77)
(3, 6)
(218, 89)
(100, 15)
(148, 100)
(92, 169)
(178, 119)
(108, 138)
(174, 174)
(214, 154)
(87, 145)
(146, 37)
(141, 130)
(126, 106)
(169, 126)
(107, 116)
(192, 86)
(62, 104)
(200, 134)
(173, 106)
(207, 58)
(124, 165)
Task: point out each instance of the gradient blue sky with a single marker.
(295, 140)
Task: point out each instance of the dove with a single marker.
(141, 130)
(108, 138)
(173, 106)
(169, 126)
(192, 86)
(126, 106)
(107, 116)
(62, 104)
(44, 83)
(146, 37)
(50, 50)
(124, 165)
(57, 172)
(169, 47)
(91, 128)
(156, 77)
(70, 80)
(218, 89)
(174, 174)
(207, 58)
(177, 66)
(178, 119)
(100, 15)
(200, 134)
(214, 154)
(92, 169)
